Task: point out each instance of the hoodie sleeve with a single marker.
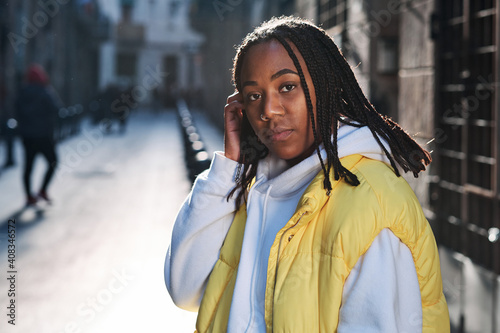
(199, 230)
(382, 294)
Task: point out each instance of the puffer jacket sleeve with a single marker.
(199, 231)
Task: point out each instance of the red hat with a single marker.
(36, 74)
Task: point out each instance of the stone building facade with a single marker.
(61, 35)
(153, 50)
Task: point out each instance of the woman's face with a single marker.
(275, 102)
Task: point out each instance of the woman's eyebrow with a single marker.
(273, 77)
(283, 72)
(248, 83)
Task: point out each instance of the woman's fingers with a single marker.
(233, 112)
(234, 104)
(232, 126)
(236, 96)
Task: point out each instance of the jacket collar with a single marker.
(315, 197)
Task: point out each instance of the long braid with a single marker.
(324, 118)
(295, 60)
(380, 121)
(329, 113)
(339, 99)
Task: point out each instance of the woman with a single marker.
(303, 223)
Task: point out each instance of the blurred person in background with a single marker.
(37, 106)
(121, 111)
(7, 126)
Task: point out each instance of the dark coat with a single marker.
(37, 105)
(37, 110)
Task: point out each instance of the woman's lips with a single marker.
(279, 135)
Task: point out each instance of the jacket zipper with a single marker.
(278, 256)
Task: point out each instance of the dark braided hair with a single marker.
(339, 98)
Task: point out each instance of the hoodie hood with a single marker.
(273, 172)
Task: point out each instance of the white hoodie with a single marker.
(381, 293)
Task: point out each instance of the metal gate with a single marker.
(467, 112)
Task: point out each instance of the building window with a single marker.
(387, 55)
(175, 6)
(170, 64)
(332, 13)
(468, 115)
(126, 64)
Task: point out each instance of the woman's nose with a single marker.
(271, 107)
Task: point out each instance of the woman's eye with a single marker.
(253, 97)
(288, 87)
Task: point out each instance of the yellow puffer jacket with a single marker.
(313, 254)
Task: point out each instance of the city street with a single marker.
(93, 260)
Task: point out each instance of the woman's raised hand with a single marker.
(232, 126)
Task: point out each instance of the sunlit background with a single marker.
(142, 85)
